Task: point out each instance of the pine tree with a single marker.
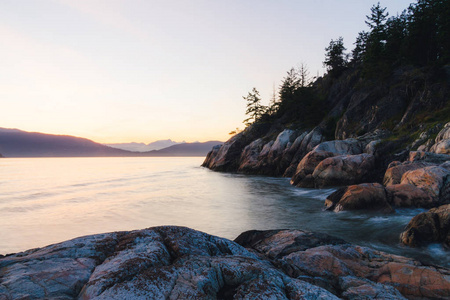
(254, 108)
(335, 58)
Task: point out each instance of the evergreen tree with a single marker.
(396, 33)
(335, 58)
(429, 32)
(359, 51)
(303, 74)
(377, 19)
(254, 108)
(289, 85)
(375, 44)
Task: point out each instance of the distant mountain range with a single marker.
(141, 147)
(18, 143)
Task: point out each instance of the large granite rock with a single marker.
(343, 170)
(349, 271)
(180, 263)
(408, 195)
(250, 157)
(429, 157)
(442, 147)
(428, 227)
(365, 196)
(442, 141)
(156, 263)
(268, 158)
(434, 180)
(303, 174)
(226, 157)
(396, 170)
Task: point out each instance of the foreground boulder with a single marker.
(352, 272)
(366, 196)
(180, 263)
(428, 227)
(156, 263)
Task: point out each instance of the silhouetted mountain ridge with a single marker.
(18, 143)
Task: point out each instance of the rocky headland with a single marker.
(383, 147)
(180, 263)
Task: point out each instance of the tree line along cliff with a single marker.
(392, 88)
(377, 124)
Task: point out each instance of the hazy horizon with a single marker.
(113, 143)
(140, 71)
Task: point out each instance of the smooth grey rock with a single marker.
(348, 146)
(429, 157)
(441, 147)
(157, 263)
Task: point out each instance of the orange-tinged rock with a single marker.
(431, 179)
(365, 196)
(408, 195)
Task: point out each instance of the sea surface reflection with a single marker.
(48, 200)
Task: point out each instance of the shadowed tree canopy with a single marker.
(335, 58)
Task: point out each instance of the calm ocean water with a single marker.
(49, 200)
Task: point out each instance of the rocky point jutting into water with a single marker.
(390, 148)
(180, 263)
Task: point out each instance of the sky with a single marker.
(144, 70)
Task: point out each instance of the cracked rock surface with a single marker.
(172, 262)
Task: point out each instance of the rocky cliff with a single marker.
(180, 263)
(389, 147)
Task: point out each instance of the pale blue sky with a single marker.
(122, 71)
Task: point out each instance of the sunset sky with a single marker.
(131, 70)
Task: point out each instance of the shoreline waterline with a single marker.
(39, 206)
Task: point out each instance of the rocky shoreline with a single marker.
(369, 178)
(180, 263)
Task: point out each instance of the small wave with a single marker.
(437, 250)
(321, 194)
(378, 219)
